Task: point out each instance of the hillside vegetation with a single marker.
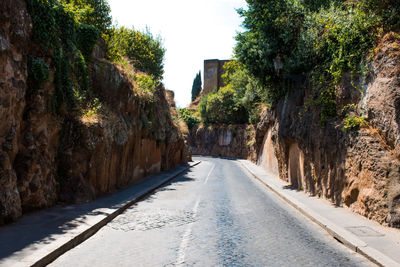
(317, 42)
(84, 110)
(67, 31)
(320, 82)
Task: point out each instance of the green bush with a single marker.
(305, 35)
(230, 68)
(95, 13)
(344, 36)
(146, 83)
(248, 90)
(68, 30)
(318, 40)
(222, 107)
(388, 11)
(69, 43)
(87, 37)
(145, 52)
(352, 123)
(237, 102)
(189, 117)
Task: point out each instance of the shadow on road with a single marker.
(38, 228)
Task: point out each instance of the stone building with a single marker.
(213, 69)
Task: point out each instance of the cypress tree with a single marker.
(196, 87)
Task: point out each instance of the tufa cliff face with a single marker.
(47, 158)
(15, 29)
(234, 141)
(358, 169)
(135, 138)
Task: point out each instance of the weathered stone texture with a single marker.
(358, 169)
(15, 29)
(136, 138)
(46, 158)
(219, 140)
(213, 70)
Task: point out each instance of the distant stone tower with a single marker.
(213, 70)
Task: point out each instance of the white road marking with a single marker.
(208, 176)
(186, 235)
(188, 232)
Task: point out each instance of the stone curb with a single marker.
(52, 255)
(337, 232)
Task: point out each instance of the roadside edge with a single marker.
(337, 232)
(80, 238)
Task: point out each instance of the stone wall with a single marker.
(222, 140)
(357, 169)
(266, 157)
(15, 30)
(136, 138)
(46, 158)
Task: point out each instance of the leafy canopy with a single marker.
(317, 40)
(90, 12)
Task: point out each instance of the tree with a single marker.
(196, 87)
(95, 13)
(272, 28)
(101, 17)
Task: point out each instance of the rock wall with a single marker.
(15, 29)
(266, 156)
(357, 169)
(135, 139)
(47, 158)
(234, 141)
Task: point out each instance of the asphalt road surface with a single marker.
(214, 215)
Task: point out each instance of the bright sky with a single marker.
(192, 30)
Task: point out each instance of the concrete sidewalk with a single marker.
(379, 244)
(39, 238)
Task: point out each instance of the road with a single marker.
(214, 215)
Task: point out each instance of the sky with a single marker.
(192, 31)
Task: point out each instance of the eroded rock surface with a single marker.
(47, 157)
(15, 29)
(234, 141)
(358, 169)
(134, 139)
